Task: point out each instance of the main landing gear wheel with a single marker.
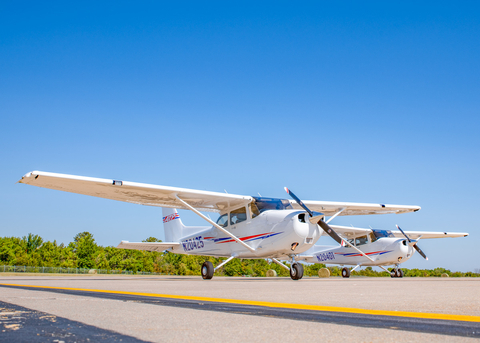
(346, 272)
(296, 271)
(207, 270)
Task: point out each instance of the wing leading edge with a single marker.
(136, 193)
(330, 208)
(349, 232)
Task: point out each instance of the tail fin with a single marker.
(172, 225)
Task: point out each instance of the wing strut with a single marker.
(336, 214)
(215, 224)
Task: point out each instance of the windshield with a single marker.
(223, 220)
(264, 204)
(382, 233)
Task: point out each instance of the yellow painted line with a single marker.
(441, 316)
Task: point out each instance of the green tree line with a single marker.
(84, 252)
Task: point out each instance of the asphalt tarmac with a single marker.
(84, 308)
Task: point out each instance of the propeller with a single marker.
(414, 244)
(321, 223)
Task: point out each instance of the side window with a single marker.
(351, 241)
(361, 240)
(223, 220)
(254, 210)
(238, 215)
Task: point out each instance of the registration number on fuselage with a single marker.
(325, 256)
(193, 243)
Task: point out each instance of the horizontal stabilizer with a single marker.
(148, 246)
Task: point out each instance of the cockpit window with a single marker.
(383, 233)
(351, 241)
(361, 240)
(254, 210)
(223, 220)
(264, 204)
(238, 216)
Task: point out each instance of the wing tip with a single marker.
(29, 175)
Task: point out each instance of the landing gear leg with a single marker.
(207, 270)
(346, 272)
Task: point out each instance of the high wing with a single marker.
(349, 232)
(330, 208)
(426, 234)
(149, 246)
(136, 193)
(164, 196)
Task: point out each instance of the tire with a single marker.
(207, 270)
(346, 272)
(399, 273)
(300, 271)
(295, 271)
(393, 273)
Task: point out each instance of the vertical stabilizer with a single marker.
(172, 224)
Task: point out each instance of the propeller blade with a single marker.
(322, 224)
(329, 231)
(408, 238)
(294, 197)
(414, 245)
(420, 252)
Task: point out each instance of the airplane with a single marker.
(372, 247)
(248, 227)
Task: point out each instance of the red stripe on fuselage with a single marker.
(245, 238)
(352, 255)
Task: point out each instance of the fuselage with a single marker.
(272, 233)
(384, 251)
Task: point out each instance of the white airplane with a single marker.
(372, 247)
(248, 227)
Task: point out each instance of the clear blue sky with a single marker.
(367, 102)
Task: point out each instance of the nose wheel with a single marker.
(346, 272)
(296, 271)
(396, 273)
